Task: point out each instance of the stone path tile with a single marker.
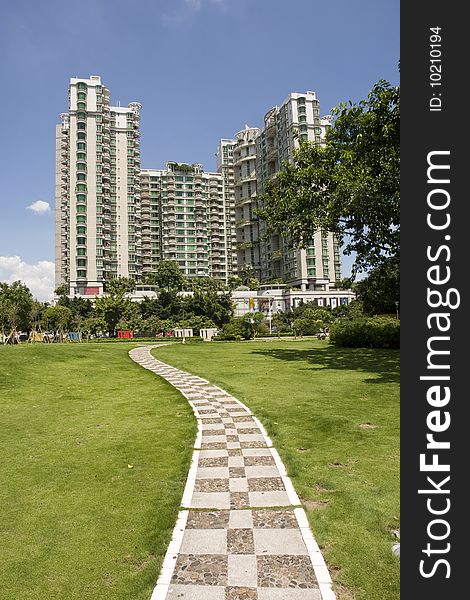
(241, 536)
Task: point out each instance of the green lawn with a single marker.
(333, 415)
(77, 522)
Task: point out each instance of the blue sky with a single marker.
(202, 69)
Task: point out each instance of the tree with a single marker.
(62, 290)
(350, 187)
(168, 276)
(380, 290)
(93, 326)
(112, 309)
(118, 286)
(57, 318)
(234, 281)
(16, 303)
(247, 276)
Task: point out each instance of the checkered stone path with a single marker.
(241, 533)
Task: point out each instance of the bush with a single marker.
(364, 332)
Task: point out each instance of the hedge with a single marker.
(366, 332)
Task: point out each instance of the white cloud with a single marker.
(179, 16)
(38, 277)
(39, 207)
(197, 4)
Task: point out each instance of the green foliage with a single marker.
(118, 286)
(114, 310)
(247, 276)
(366, 332)
(380, 290)
(196, 323)
(168, 276)
(243, 328)
(234, 281)
(16, 305)
(62, 290)
(350, 187)
(93, 326)
(57, 318)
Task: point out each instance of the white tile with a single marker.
(204, 541)
(242, 570)
(238, 484)
(278, 541)
(241, 519)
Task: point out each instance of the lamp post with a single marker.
(270, 317)
(396, 306)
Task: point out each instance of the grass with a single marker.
(95, 452)
(333, 415)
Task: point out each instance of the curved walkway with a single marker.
(241, 533)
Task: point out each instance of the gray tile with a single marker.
(242, 570)
(238, 484)
(235, 461)
(240, 519)
(210, 500)
(269, 499)
(279, 541)
(256, 452)
(212, 472)
(250, 437)
(262, 471)
(212, 453)
(204, 541)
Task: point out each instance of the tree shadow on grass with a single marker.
(382, 364)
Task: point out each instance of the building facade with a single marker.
(318, 265)
(190, 220)
(246, 220)
(225, 167)
(97, 190)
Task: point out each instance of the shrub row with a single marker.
(366, 332)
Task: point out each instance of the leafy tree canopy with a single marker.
(350, 187)
(118, 286)
(168, 276)
(16, 304)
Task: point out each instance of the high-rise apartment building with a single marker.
(258, 156)
(244, 166)
(185, 217)
(225, 168)
(97, 189)
(114, 219)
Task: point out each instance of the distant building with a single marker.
(285, 127)
(186, 217)
(97, 189)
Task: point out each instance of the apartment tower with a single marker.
(185, 217)
(98, 233)
(296, 120)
